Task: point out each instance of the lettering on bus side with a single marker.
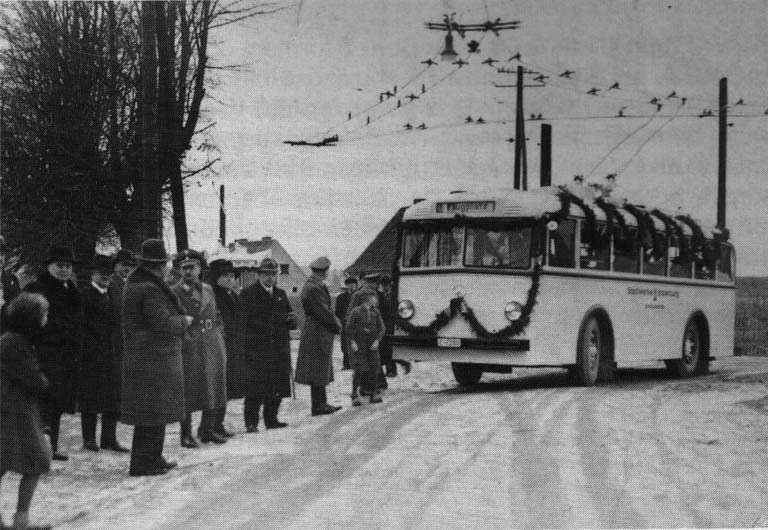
(655, 293)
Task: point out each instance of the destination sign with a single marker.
(465, 206)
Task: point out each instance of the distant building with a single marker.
(246, 255)
(379, 255)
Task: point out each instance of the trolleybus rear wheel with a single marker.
(593, 352)
(467, 374)
(693, 360)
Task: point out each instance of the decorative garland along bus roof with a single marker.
(583, 201)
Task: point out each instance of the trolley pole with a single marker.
(722, 152)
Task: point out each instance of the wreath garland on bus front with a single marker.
(458, 305)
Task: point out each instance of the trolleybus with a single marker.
(562, 277)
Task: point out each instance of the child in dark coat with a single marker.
(364, 330)
(23, 447)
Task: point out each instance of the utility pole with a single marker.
(722, 148)
(521, 153)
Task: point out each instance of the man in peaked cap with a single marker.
(266, 319)
(314, 366)
(205, 372)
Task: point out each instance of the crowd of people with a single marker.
(147, 345)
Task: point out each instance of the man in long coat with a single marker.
(99, 388)
(314, 366)
(340, 310)
(266, 319)
(153, 372)
(205, 358)
(123, 264)
(59, 344)
(221, 273)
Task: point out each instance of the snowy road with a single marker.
(526, 450)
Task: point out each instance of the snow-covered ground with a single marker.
(526, 450)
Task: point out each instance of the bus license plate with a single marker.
(449, 342)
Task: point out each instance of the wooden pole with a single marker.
(546, 155)
(722, 152)
(222, 218)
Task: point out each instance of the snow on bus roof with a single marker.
(535, 203)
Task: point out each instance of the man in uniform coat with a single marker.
(340, 310)
(314, 366)
(59, 345)
(221, 273)
(204, 353)
(266, 319)
(99, 388)
(153, 373)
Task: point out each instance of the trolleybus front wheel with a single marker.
(467, 374)
(593, 356)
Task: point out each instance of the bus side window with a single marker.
(679, 267)
(724, 271)
(656, 265)
(704, 264)
(591, 256)
(561, 244)
(626, 252)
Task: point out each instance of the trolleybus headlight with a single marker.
(513, 311)
(405, 309)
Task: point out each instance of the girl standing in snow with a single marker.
(365, 329)
(23, 447)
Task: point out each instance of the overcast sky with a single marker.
(306, 67)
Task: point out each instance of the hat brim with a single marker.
(142, 259)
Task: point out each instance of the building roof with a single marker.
(380, 254)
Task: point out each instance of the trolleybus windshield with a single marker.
(488, 244)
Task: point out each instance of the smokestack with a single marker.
(222, 218)
(722, 144)
(546, 155)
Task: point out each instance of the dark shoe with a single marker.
(91, 445)
(166, 464)
(149, 472)
(251, 428)
(189, 442)
(60, 456)
(391, 370)
(376, 398)
(276, 425)
(116, 447)
(223, 432)
(208, 437)
(327, 409)
(356, 401)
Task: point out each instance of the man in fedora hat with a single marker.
(205, 371)
(266, 319)
(154, 324)
(314, 366)
(99, 388)
(221, 273)
(59, 344)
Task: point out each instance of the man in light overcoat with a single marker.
(314, 366)
(204, 352)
